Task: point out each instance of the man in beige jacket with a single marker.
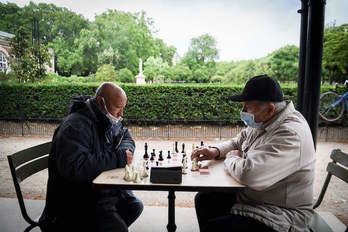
(273, 157)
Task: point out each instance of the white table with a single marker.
(217, 180)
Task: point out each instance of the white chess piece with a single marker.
(194, 165)
(127, 174)
(184, 166)
(133, 173)
(144, 172)
(137, 178)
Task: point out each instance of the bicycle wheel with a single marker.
(329, 110)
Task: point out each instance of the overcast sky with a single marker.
(244, 29)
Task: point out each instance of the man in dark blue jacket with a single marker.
(90, 140)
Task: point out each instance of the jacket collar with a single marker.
(101, 119)
(280, 117)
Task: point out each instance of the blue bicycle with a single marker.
(332, 105)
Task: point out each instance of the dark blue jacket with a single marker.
(83, 146)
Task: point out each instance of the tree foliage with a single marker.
(106, 72)
(335, 54)
(283, 63)
(27, 60)
(126, 76)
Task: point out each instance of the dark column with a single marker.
(302, 54)
(314, 52)
(171, 227)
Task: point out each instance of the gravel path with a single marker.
(335, 201)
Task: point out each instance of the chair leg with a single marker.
(30, 227)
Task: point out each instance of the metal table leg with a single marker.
(171, 227)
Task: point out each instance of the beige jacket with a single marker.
(277, 166)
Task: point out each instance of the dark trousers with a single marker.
(213, 214)
(118, 217)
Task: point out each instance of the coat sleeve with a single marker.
(233, 144)
(267, 163)
(75, 158)
(126, 143)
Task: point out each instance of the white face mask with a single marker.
(248, 120)
(112, 118)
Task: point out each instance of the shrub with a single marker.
(106, 72)
(126, 76)
(147, 104)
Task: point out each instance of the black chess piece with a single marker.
(202, 144)
(183, 148)
(169, 157)
(176, 147)
(154, 153)
(160, 157)
(146, 156)
(152, 157)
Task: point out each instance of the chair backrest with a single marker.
(338, 167)
(24, 164)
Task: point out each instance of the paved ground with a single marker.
(153, 219)
(336, 199)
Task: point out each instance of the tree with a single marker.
(283, 63)
(87, 50)
(129, 35)
(126, 76)
(166, 52)
(27, 60)
(335, 54)
(106, 72)
(181, 73)
(154, 68)
(202, 52)
(9, 17)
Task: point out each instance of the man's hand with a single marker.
(205, 153)
(129, 157)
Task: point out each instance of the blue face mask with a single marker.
(248, 120)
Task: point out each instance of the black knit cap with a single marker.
(260, 88)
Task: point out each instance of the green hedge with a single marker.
(149, 104)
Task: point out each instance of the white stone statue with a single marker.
(140, 78)
(140, 66)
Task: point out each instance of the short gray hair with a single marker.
(279, 106)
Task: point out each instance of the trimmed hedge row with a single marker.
(150, 104)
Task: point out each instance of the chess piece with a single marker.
(183, 148)
(144, 170)
(184, 166)
(176, 147)
(160, 158)
(174, 153)
(152, 159)
(202, 144)
(137, 178)
(168, 156)
(133, 173)
(127, 174)
(146, 156)
(194, 166)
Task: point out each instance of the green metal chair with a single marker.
(338, 168)
(23, 164)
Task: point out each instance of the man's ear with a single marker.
(100, 103)
(271, 109)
